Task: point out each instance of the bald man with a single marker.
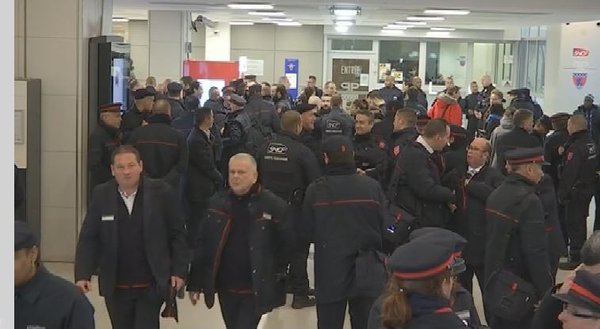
(576, 185)
(245, 240)
(479, 181)
(163, 149)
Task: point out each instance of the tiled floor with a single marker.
(199, 317)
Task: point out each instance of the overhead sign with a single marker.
(291, 72)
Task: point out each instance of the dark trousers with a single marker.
(466, 278)
(194, 220)
(577, 211)
(298, 278)
(563, 222)
(136, 308)
(238, 310)
(332, 315)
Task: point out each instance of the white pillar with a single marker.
(166, 46)
(218, 43)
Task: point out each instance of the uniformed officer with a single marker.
(134, 117)
(163, 149)
(234, 132)
(556, 244)
(581, 302)
(369, 154)
(335, 121)
(419, 292)
(102, 142)
(344, 215)
(576, 186)
(42, 299)
(309, 135)
(516, 240)
(404, 133)
(286, 168)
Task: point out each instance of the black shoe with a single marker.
(303, 301)
(568, 265)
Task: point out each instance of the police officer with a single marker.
(576, 186)
(234, 133)
(163, 148)
(556, 243)
(42, 299)
(516, 240)
(144, 100)
(344, 215)
(419, 189)
(521, 99)
(404, 133)
(102, 142)
(553, 143)
(174, 99)
(262, 112)
(309, 135)
(335, 121)
(369, 154)
(581, 302)
(286, 168)
(420, 291)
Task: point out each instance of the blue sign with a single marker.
(291, 72)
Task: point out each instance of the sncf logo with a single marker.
(277, 148)
(580, 52)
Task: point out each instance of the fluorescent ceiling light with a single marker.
(277, 19)
(442, 29)
(289, 24)
(425, 18)
(447, 12)
(341, 29)
(120, 19)
(392, 31)
(241, 23)
(437, 34)
(395, 27)
(250, 6)
(410, 23)
(343, 23)
(344, 11)
(266, 13)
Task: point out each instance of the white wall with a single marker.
(449, 61)
(138, 39)
(483, 60)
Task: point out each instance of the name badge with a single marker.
(108, 218)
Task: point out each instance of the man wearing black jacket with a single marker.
(520, 136)
(203, 178)
(134, 235)
(343, 213)
(102, 142)
(419, 189)
(286, 168)
(243, 249)
(136, 116)
(479, 182)
(382, 130)
(262, 112)
(162, 148)
(369, 154)
(516, 236)
(174, 99)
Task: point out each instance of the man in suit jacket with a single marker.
(134, 235)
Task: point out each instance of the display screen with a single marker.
(120, 80)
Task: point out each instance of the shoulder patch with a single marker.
(396, 150)
(569, 156)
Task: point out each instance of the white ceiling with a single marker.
(485, 14)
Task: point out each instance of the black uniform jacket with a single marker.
(370, 155)
(343, 212)
(516, 237)
(131, 120)
(163, 149)
(265, 114)
(579, 166)
(470, 221)
(419, 190)
(163, 232)
(556, 242)
(203, 178)
(518, 137)
(551, 155)
(270, 241)
(50, 302)
(103, 141)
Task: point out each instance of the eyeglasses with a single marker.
(574, 311)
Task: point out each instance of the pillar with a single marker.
(166, 46)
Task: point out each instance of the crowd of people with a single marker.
(404, 208)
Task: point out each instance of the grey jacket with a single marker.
(505, 126)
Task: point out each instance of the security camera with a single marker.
(215, 32)
(202, 21)
(598, 24)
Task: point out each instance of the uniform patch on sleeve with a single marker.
(396, 150)
(569, 156)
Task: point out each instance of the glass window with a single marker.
(446, 59)
(352, 44)
(399, 58)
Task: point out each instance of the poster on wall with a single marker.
(384, 69)
(347, 74)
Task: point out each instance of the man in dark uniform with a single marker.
(102, 142)
(390, 92)
(479, 182)
(203, 177)
(369, 154)
(134, 236)
(404, 133)
(522, 100)
(576, 186)
(520, 136)
(244, 248)
(262, 113)
(42, 299)
(581, 302)
(163, 149)
(335, 121)
(383, 130)
(286, 168)
(473, 103)
(136, 116)
(309, 136)
(235, 131)
(344, 215)
(516, 236)
(419, 189)
(557, 246)
(174, 99)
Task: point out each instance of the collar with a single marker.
(124, 195)
(362, 138)
(206, 132)
(423, 142)
(475, 170)
(289, 134)
(32, 289)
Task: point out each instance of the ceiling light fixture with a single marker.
(410, 23)
(289, 24)
(343, 23)
(441, 29)
(277, 19)
(241, 23)
(344, 11)
(395, 27)
(266, 13)
(250, 6)
(395, 32)
(120, 19)
(341, 29)
(437, 34)
(447, 12)
(422, 18)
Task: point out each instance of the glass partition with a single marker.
(398, 58)
(446, 59)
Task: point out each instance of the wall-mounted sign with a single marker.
(581, 52)
(291, 72)
(347, 74)
(579, 80)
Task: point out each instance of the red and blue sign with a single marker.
(291, 71)
(580, 79)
